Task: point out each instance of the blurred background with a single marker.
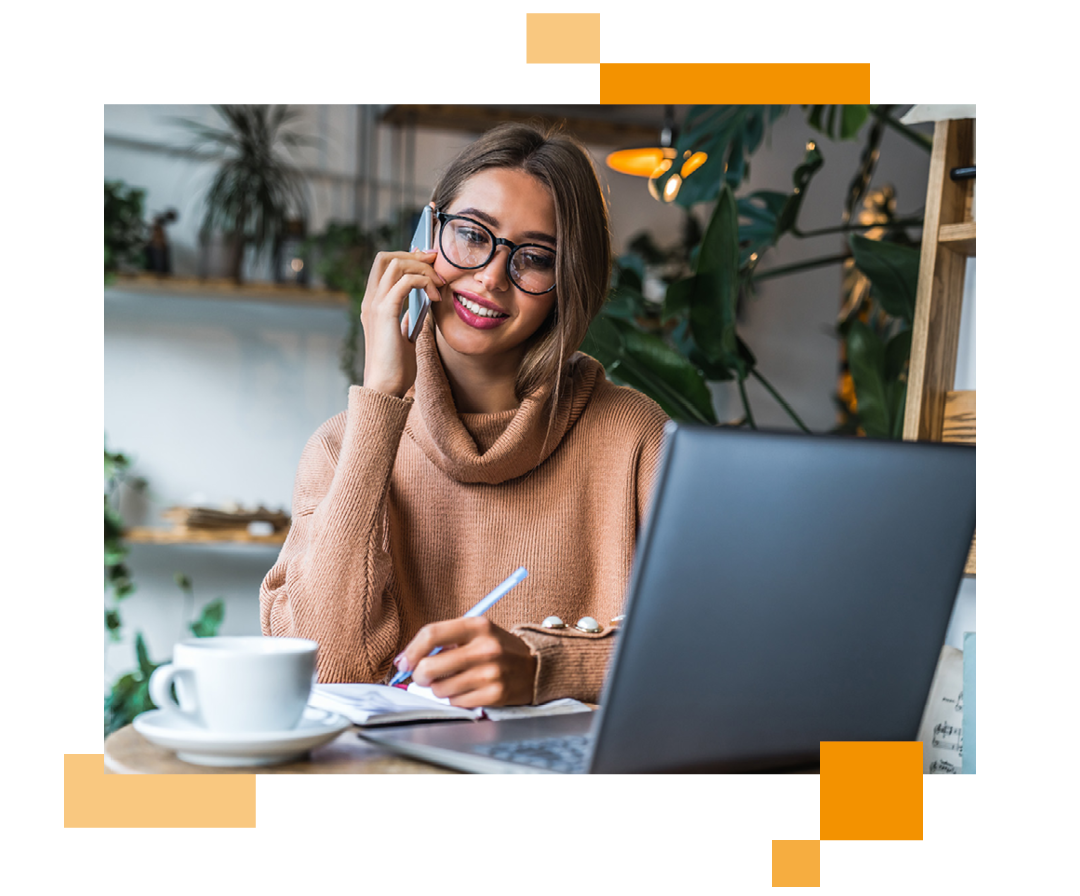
(237, 243)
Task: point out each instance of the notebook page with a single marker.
(367, 704)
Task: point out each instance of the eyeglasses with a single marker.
(468, 245)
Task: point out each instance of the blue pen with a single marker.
(501, 590)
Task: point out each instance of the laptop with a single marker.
(786, 590)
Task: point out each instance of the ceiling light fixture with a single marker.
(654, 161)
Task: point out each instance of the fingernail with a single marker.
(401, 662)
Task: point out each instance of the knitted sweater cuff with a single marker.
(368, 403)
(568, 663)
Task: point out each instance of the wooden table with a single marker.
(128, 753)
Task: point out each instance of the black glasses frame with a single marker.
(496, 241)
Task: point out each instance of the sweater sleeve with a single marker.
(569, 663)
(329, 583)
(572, 663)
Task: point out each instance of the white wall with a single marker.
(215, 400)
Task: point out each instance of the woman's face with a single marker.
(517, 207)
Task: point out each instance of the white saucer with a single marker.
(201, 747)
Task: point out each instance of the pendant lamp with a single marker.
(654, 161)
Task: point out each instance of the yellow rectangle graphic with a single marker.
(562, 37)
(93, 799)
(796, 863)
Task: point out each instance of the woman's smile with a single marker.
(477, 312)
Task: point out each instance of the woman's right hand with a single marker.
(389, 357)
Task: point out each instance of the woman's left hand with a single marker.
(480, 664)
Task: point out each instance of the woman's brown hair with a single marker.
(583, 250)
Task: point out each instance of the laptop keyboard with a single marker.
(558, 754)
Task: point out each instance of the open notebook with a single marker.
(377, 704)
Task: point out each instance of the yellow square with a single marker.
(796, 863)
(871, 790)
(562, 37)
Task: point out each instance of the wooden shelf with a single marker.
(610, 127)
(959, 238)
(180, 535)
(934, 412)
(229, 290)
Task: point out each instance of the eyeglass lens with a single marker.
(468, 244)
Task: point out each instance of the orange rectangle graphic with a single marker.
(871, 790)
(734, 82)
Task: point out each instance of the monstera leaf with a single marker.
(893, 272)
(839, 122)
(768, 215)
(728, 135)
(647, 363)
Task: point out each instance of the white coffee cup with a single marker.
(238, 684)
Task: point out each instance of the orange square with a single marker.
(796, 863)
(562, 37)
(871, 790)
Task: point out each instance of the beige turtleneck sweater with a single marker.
(406, 512)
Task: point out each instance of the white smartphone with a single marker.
(424, 238)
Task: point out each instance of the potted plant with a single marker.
(125, 231)
(256, 189)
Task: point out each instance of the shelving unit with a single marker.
(934, 411)
(236, 310)
(152, 285)
(163, 535)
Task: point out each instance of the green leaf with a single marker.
(182, 581)
(671, 377)
(677, 299)
(603, 341)
(206, 626)
(897, 354)
(860, 181)
(645, 362)
(838, 122)
(626, 299)
(114, 523)
(629, 270)
(715, 289)
(112, 621)
(728, 135)
(146, 668)
(801, 177)
(622, 305)
(893, 272)
(769, 214)
(854, 117)
(866, 359)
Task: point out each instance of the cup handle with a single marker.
(161, 689)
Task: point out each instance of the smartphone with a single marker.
(424, 238)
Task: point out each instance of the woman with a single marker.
(486, 446)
